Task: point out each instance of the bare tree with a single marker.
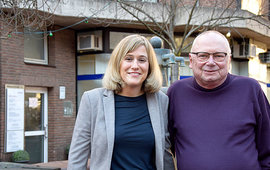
(18, 14)
(191, 16)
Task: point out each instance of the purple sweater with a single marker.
(226, 128)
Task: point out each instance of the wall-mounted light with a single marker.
(228, 35)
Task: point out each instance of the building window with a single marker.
(90, 70)
(116, 37)
(238, 4)
(149, 0)
(143, 0)
(187, 44)
(35, 47)
(86, 64)
(198, 3)
(268, 12)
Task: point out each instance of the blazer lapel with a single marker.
(109, 114)
(154, 112)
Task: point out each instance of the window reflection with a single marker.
(33, 111)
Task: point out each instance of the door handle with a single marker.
(46, 131)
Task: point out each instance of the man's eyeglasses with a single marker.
(204, 56)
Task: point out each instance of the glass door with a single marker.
(36, 124)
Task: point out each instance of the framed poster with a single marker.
(14, 131)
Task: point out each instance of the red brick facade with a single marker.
(61, 71)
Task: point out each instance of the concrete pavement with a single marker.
(58, 164)
(54, 165)
(24, 166)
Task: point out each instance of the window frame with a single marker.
(45, 53)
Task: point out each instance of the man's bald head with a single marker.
(209, 34)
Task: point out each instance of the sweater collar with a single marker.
(225, 83)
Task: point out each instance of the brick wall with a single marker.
(61, 71)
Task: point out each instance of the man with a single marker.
(218, 121)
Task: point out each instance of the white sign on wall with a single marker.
(62, 92)
(14, 140)
(14, 118)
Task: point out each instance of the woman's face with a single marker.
(134, 68)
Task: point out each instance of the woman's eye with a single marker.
(142, 60)
(128, 59)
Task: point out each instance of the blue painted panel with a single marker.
(90, 77)
(183, 77)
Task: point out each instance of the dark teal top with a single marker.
(134, 144)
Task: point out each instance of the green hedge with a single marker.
(20, 156)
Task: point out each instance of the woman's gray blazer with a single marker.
(93, 135)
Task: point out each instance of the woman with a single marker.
(124, 124)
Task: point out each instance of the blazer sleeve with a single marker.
(80, 147)
(169, 162)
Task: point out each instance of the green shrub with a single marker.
(20, 156)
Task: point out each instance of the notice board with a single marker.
(14, 130)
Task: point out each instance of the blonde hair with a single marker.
(112, 79)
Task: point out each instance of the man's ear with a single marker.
(229, 62)
(190, 61)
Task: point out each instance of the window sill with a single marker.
(39, 64)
